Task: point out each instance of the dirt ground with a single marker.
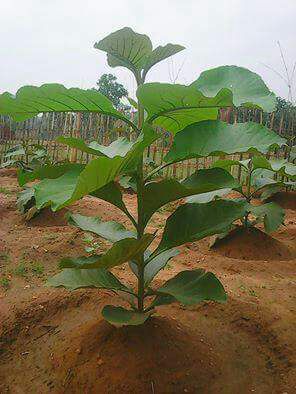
(55, 341)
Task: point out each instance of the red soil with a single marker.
(55, 341)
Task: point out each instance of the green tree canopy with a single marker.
(107, 85)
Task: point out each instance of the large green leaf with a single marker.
(119, 316)
(192, 287)
(157, 194)
(47, 171)
(282, 166)
(25, 199)
(72, 186)
(112, 194)
(119, 147)
(214, 138)
(126, 48)
(207, 197)
(247, 87)
(191, 222)
(228, 163)
(156, 264)
(174, 107)
(272, 214)
(75, 278)
(29, 101)
(56, 192)
(269, 186)
(160, 53)
(111, 231)
(122, 251)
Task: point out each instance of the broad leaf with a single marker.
(163, 299)
(122, 251)
(282, 167)
(119, 316)
(214, 138)
(126, 48)
(56, 192)
(157, 194)
(173, 107)
(228, 163)
(208, 197)
(192, 287)
(160, 53)
(155, 265)
(29, 101)
(272, 214)
(111, 231)
(120, 147)
(191, 222)
(247, 87)
(98, 173)
(112, 194)
(48, 171)
(270, 186)
(25, 199)
(74, 279)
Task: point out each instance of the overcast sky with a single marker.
(52, 40)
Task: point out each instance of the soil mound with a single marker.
(47, 218)
(252, 244)
(286, 200)
(66, 347)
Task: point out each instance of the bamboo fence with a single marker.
(44, 130)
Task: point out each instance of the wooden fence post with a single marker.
(73, 156)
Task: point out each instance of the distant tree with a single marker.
(109, 87)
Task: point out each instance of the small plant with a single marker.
(190, 113)
(270, 213)
(4, 256)
(37, 269)
(21, 270)
(5, 283)
(25, 156)
(92, 244)
(5, 191)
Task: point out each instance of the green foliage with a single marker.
(247, 88)
(37, 269)
(190, 113)
(270, 214)
(109, 87)
(5, 283)
(25, 156)
(21, 270)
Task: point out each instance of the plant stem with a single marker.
(141, 226)
(248, 194)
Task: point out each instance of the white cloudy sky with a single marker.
(52, 40)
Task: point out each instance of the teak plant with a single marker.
(190, 113)
(257, 179)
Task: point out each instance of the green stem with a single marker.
(141, 225)
(157, 169)
(248, 194)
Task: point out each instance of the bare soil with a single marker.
(55, 341)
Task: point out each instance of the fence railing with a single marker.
(45, 129)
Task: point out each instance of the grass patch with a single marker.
(5, 283)
(21, 270)
(37, 269)
(4, 256)
(5, 191)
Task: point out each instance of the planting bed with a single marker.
(52, 340)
